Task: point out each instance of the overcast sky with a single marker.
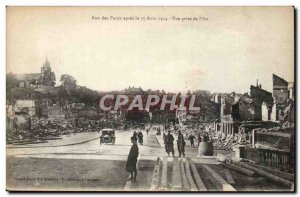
(228, 52)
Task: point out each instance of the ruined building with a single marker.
(280, 89)
(283, 93)
(259, 97)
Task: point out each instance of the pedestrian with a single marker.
(147, 130)
(181, 144)
(169, 146)
(132, 160)
(134, 134)
(191, 138)
(205, 137)
(140, 136)
(199, 139)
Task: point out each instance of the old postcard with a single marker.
(150, 99)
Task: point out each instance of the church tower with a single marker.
(45, 69)
(47, 76)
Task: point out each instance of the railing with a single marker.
(273, 158)
(273, 140)
(272, 148)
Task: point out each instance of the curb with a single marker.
(53, 145)
(159, 141)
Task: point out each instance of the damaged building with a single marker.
(259, 97)
(283, 93)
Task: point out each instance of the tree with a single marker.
(68, 81)
(11, 82)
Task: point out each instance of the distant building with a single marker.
(291, 90)
(243, 109)
(227, 124)
(280, 89)
(24, 107)
(260, 96)
(216, 98)
(265, 115)
(245, 128)
(226, 104)
(283, 93)
(181, 115)
(284, 112)
(28, 80)
(53, 112)
(19, 114)
(76, 106)
(209, 110)
(237, 108)
(133, 90)
(228, 127)
(202, 93)
(89, 112)
(45, 78)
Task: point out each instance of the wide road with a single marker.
(92, 149)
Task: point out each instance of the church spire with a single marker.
(47, 63)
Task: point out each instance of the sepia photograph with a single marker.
(150, 99)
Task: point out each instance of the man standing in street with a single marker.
(180, 144)
(199, 139)
(140, 136)
(191, 138)
(169, 146)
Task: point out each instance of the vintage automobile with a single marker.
(107, 136)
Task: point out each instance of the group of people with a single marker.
(169, 144)
(201, 138)
(139, 136)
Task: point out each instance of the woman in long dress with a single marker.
(132, 159)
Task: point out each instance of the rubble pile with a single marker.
(225, 143)
(229, 142)
(35, 130)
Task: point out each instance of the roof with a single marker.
(260, 89)
(47, 89)
(278, 81)
(28, 76)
